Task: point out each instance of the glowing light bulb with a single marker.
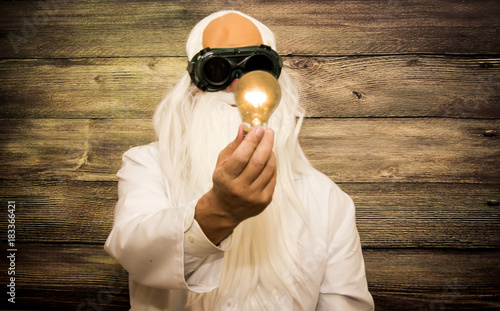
(257, 94)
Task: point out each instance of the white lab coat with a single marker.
(166, 253)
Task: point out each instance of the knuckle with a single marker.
(268, 199)
(239, 160)
(272, 165)
(218, 178)
(264, 200)
(258, 163)
(237, 190)
(253, 198)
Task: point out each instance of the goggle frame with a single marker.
(198, 75)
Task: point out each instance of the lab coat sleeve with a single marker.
(344, 285)
(150, 234)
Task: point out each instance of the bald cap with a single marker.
(231, 30)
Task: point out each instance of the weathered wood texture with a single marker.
(411, 279)
(158, 28)
(402, 103)
(347, 150)
(389, 214)
(382, 86)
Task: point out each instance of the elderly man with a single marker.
(207, 221)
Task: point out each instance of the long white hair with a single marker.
(192, 128)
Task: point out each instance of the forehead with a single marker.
(229, 31)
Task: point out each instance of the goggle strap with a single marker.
(190, 67)
(204, 51)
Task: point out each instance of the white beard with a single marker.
(256, 271)
(214, 124)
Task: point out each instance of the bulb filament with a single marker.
(256, 98)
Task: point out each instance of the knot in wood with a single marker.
(388, 171)
(413, 63)
(302, 63)
(152, 64)
(486, 65)
(99, 78)
(358, 94)
(490, 133)
(493, 203)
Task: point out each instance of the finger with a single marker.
(231, 147)
(268, 190)
(241, 134)
(240, 157)
(267, 174)
(260, 158)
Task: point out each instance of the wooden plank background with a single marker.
(402, 102)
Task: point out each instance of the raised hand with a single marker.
(243, 184)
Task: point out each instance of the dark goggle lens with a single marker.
(217, 70)
(212, 69)
(259, 62)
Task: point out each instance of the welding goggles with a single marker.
(214, 69)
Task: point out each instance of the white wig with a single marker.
(271, 250)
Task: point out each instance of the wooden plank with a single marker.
(398, 279)
(433, 280)
(62, 149)
(347, 150)
(430, 215)
(402, 86)
(86, 88)
(63, 28)
(403, 150)
(68, 277)
(389, 215)
(61, 212)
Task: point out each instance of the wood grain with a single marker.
(402, 99)
(389, 215)
(384, 86)
(403, 150)
(398, 279)
(433, 280)
(347, 150)
(151, 28)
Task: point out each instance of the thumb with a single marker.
(237, 141)
(232, 146)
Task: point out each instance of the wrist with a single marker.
(213, 219)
